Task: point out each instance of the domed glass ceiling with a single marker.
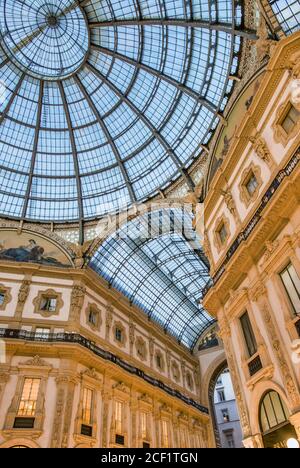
(105, 102)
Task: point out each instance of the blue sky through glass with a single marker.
(126, 121)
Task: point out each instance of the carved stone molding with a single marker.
(294, 65)
(121, 387)
(245, 196)
(36, 361)
(108, 320)
(261, 149)
(145, 398)
(288, 378)
(231, 205)
(22, 296)
(264, 45)
(207, 249)
(63, 413)
(77, 300)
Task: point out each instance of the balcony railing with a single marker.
(255, 366)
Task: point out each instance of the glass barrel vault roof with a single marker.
(158, 263)
(105, 102)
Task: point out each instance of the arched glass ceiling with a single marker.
(288, 14)
(157, 262)
(104, 102)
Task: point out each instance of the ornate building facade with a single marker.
(252, 224)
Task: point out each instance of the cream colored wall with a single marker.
(30, 320)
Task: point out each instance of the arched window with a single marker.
(273, 412)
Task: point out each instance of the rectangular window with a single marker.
(290, 120)
(291, 283)
(251, 184)
(221, 395)
(119, 410)
(229, 439)
(144, 425)
(165, 434)
(248, 334)
(27, 405)
(49, 304)
(87, 404)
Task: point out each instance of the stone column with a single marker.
(77, 300)
(134, 443)
(106, 403)
(295, 421)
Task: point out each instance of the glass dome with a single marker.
(104, 103)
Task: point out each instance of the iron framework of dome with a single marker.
(104, 103)
(157, 262)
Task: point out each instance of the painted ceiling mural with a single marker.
(30, 248)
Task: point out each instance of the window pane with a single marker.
(291, 282)
(249, 334)
(87, 406)
(29, 397)
(273, 411)
(119, 417)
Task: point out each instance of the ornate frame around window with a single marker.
(280, 135)
(141, 348)
(245, 196)
(51, 293)
(175, 371)
(93, 308)
(7, 296)
(217, 240)
(119, 325)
